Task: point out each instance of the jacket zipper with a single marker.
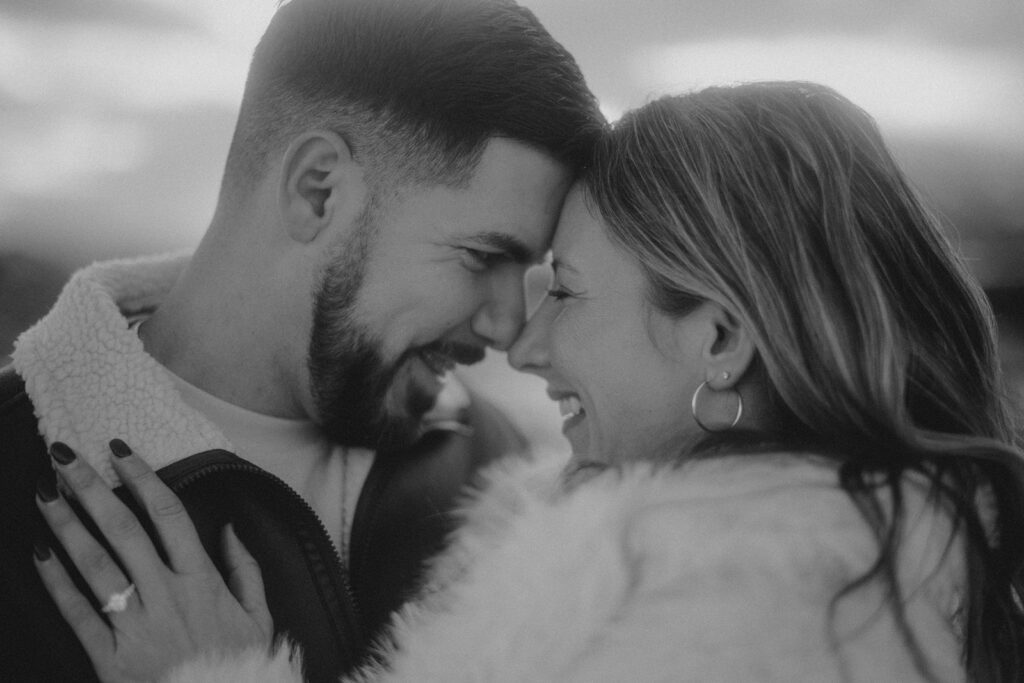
(198, 470)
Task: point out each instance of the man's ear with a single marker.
(320, 179)
(728, 350)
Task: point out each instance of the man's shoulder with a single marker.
(22, 450)
(18, 422)
(31, 630)
(21, 446)
(12, 388)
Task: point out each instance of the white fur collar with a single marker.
(90, 379)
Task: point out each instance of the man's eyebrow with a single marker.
(516, 249)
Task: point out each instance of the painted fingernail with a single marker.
(41, 551)
(120, 448)
(46, 489)
(60, 452)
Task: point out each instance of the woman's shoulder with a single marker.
(714, 568)
(741, 503)
(782, 511)
(778, 492)
(761, 520)
(771, 524)
(768, 514)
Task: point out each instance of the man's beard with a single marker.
(353, 385)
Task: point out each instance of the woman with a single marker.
(792, 456)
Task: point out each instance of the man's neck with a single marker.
(217, 348)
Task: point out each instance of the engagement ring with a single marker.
(118, 602)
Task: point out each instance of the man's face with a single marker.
(430, 277)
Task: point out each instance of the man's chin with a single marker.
(388, 419)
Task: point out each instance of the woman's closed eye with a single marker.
(561, 293)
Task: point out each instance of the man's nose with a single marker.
(501, 316)
(529, 351)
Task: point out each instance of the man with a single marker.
(395, 168)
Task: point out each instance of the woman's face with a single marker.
(622, 372)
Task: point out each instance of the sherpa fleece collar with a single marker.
(90, 379)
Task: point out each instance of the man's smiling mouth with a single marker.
(439, 363)
(442, 357)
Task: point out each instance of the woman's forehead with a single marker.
(576, 226)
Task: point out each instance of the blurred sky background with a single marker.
(115, 115)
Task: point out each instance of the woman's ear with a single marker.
(320, 178)
(728, 350)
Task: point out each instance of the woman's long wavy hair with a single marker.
(781, 202)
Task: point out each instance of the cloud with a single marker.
(126, 12)
(152, 187)
(69, 149)
(101, 65)
(911, 86)
(602, 34)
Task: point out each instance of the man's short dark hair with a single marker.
(415, 87)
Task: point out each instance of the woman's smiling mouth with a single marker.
(570, 406)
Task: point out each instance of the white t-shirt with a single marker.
(328, 476)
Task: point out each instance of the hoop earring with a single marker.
(693, 409)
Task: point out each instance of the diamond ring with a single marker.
(118, 602)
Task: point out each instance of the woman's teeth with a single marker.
(569, 406)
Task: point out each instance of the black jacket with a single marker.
(334, 613)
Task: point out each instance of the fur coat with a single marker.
(719, 570)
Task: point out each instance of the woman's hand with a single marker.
(157, 615)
